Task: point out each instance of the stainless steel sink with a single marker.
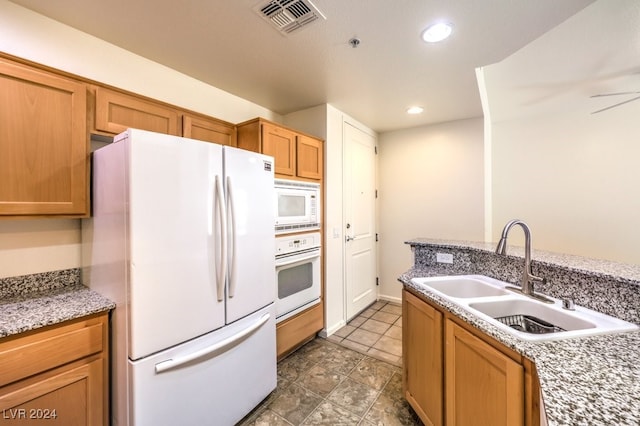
(518, 315)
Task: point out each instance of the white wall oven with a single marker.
(297, 273)
(297, 206)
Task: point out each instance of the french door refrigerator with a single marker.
(182, 239)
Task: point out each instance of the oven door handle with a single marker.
(297, 258)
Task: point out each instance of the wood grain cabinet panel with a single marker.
(455, 375)
(209, 130)
(422, 349)
(483, 386)
(44, 144)
(309, 157)
(57, 375)
(296, 155)
(115, 112)
(280, 144)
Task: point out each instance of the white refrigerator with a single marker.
(182, 239)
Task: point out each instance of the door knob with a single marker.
(349, 238)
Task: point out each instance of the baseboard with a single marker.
(328, 331)
(395, 300)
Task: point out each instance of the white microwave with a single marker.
(297, 206)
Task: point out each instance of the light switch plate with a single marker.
(444, 257)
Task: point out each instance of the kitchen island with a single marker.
(584, 381)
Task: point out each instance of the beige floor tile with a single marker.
(375, 326)
(364, 337)
(367, 313)
(384, 356)
(394, 332)
(392, 309)
(345, 331)
(398, 323)
(378, 305)
(356, 346)
(335, 339)
(385, 317)
(389, 345)
(357, 321)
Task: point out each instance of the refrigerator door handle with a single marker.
(233, 276)
(222, 345)
(222, 267)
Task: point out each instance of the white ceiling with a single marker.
(226, 44)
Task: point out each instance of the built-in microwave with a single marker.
(297, 206)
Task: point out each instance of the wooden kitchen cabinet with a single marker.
(309, 157)
(483, 385)
(115, 112)
(296, 154)
(422, 358)
(57, 375)
(208, 129)
(454, 374)
(294, 331)
(44, 144)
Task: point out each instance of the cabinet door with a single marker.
(280, 144)
(422, 358)
(44, 143)
(208, 130)
(483, 385)
(70, 397)
(309, 157)
(116, 112)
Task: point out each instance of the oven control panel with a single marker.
(293, 243)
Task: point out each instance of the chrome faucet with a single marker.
(528, 279)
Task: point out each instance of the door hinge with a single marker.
(377, 281)
(376, 193)
(375, 149)
(376, 237)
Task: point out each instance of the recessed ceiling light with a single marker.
(415, 110)
(437, 32)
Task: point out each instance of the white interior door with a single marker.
(359, 205)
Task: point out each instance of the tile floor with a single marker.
(351, 378)
(324, 383)
(377, 332)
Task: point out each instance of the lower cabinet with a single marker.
(57, 375)
(294, 331)
(453, 374)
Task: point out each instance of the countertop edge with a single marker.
(40, 309)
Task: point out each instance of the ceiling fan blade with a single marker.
(614, 94)
(618, 104)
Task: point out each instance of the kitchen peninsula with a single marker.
(589, 380)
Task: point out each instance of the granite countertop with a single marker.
(585, 381)
(599, 267)
(28, 303)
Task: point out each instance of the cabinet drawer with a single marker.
(37, 352)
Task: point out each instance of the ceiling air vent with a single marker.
(289, 15)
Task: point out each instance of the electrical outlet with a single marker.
(444, 257)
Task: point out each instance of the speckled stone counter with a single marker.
(584, 381)
(32, 301)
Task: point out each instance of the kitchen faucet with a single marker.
(528, 279)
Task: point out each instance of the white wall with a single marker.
(31, 246)
(430, 185)
(573, 176)
(327, 122)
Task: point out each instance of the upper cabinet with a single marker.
(208, 129)
(115, 112)
(309, 157)
(296, 155)
(43, 143)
